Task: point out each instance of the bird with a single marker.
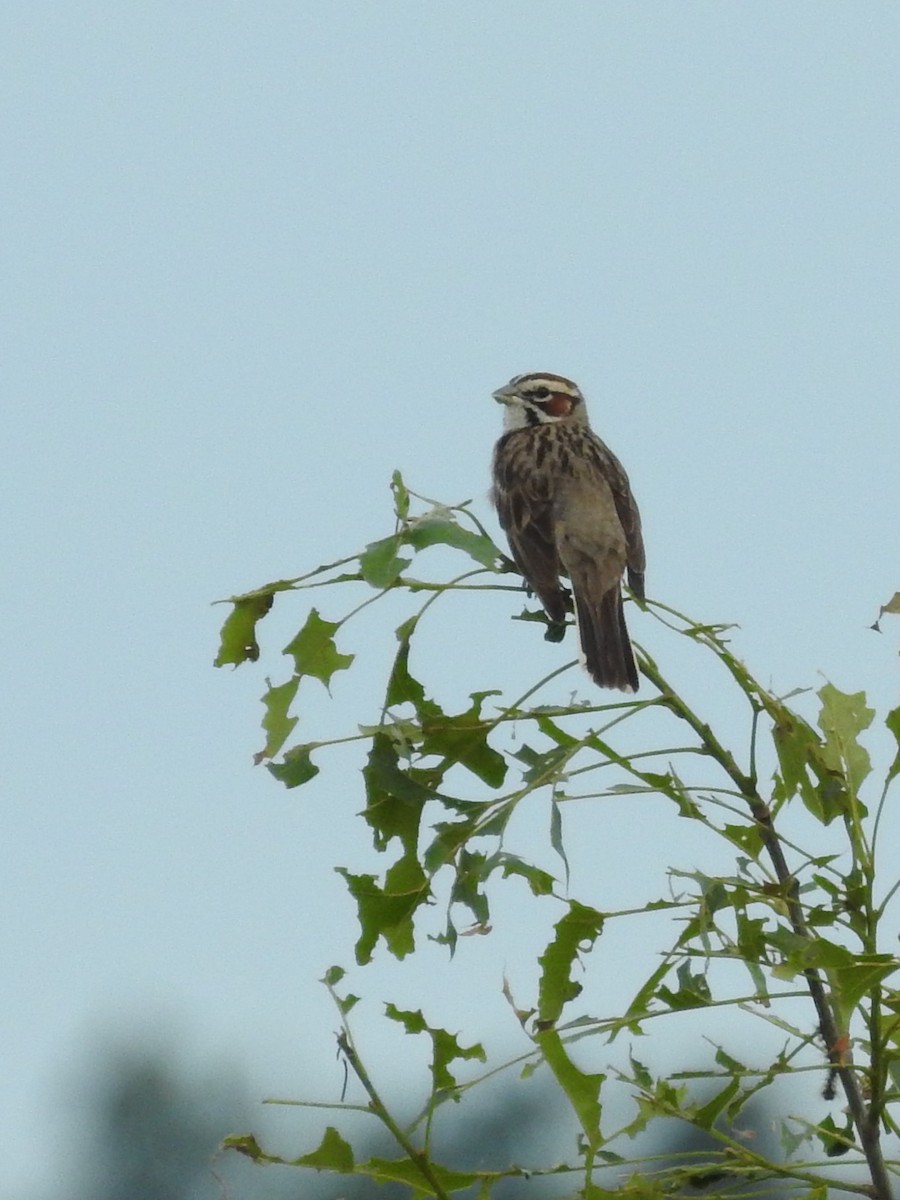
(565, 504)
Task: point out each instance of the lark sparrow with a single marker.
(565, 503)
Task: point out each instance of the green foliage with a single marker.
(797, 923)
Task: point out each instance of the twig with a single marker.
(836, 1041)
(416, 1157)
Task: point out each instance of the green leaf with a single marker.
(332, 1154)
(404, 1170)
(642, 1076)
(693, 990)
(332, 978)
(751, 938)
(387, 912)
(401, 496)
(842, 719)
(805, 766)
(556, 835)
(296, 767)
(276, 723)
(730, 1064)
(852, 982)
(412, 1022)
(439, 528)
(706, 1116)
(640, 1005)
(540, 882)
(555, 732)
(851, 978)
(473, 868)
(582, 1089)
(314, 651)
(402, 687)
(238, 637)
(246, 1144)
(576, 933)
(892, 720)
(746, 837)
(451, 835)
(892, 606)
(380, 563)
(445, 1046)
(463, 739)
(546, 766)
(835, 1141)
(394, 797)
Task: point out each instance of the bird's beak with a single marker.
(506, 395)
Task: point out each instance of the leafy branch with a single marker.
(441, 788)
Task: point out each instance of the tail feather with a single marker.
(605, 643)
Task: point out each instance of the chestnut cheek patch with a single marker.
(559, 405)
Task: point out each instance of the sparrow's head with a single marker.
(540, 399)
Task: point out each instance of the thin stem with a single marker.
(835, 1038)
(416, 1157)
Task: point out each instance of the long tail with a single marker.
(605, 643)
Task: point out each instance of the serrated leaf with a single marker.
(640, 1005)
(441, 529)
(730, 1064)
(246, 1144)
(642, 1076)
(276, 722)
(401, 496)
(793, 739)
(403, 1170)
(394, 797)
(402, 687)
(581, 1088)
(463, 739)
(842, 719)
(892, 606)
(332, 1154)
(473, 868)
(237, 640)
(800, 953)
(380, 562)
(540, 882)
(555, 732)
(332, 978)
(556, 837)
(835, 1141)
(706, 1116)
(747, 837)
(314, 652)
(693, 990)
(445, 1046)
(387, 912)
(543, 766)
(451, 835)
(804, 766)
(296, 767)
(751, 937)
(892, 720)
(852, 982)
(575, 933)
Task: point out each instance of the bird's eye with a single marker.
(541, 393)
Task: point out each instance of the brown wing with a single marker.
(525, 512)
(627, 510)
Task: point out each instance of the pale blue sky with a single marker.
(256, 257)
